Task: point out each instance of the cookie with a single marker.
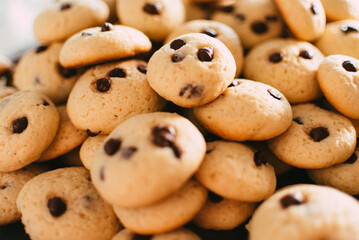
(247, 110)
(39, 70)
(153, 152)
(106, 95)
(289, 65)
(317, 138)
(223, 214)
(341, 37)
(191, 70)
(179, 234)
(336, 10)
(105, 43)
(166, 215)
(6, 91)
(155, 18)
(337, 78)
(28, 125)
(89, 148)
(254, 21)
(63, 204)
(305, 19)
(217, 30)
(64, 18)
(67, 137)
(306, 212)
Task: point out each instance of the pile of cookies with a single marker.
(175, 119)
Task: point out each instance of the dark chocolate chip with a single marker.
(210, 32)
(92, 134)
(2, 187)
(106, 27)
(353, 158)
(112, 146)
(274, 93)
(305, 54)
(234, 83)
(65, 6)
(37, 80)
(241, 17)
(271, 18)
(275, 57)
(127, 152)
(214, 197)
(259, 27)
(193, 91)
(19, 125)
(227, 9)
(40, 49)
(176, 150)
(177, 44)
(85, 34)
(117, 72)
(141, 237)
(102, 173)
(103, 84)
(7, 76)
(45, 103)
(178, 57)
(348, 29)
(260, 158)
(314, 9)
(349, 66)
(56, 206)
(205, 54)
(142, 68)
(298, 120)
(66, 72)
(288, 200)
(164, 136)
(319, 133)
(153, 8)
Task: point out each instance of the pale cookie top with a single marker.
(336, 10)
(89, 148)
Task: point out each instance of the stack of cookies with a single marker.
(183, 119)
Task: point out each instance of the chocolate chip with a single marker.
(106, 27)
(153, 8)
(103, 84)
(234, 83)
(117, 72)
(128, 152)
(178, 57)
(164, 136)
(19, 125)
(176, 150)
(305, 54)
(112, 146)
(193, 91)
(314, 9)
(349, 66)
(271, 18)
(214, 197)
(141, 237)
(102, 173)
(259, 27)
(205, 54)
(241, 17)
(274, 93)
(56, 206)
(260, 158)
(45, 103)
(2, 187)
(177, 44)
(66, 72)
(40, 49)
(142, 68)
(353, 158)
(298, 120)
(348, 29)
(227, 9)
(319, 133)
(275, 57)
(210, 32)
(65, 6)
(85, 34)
(288, 200)
(37, 80)
(92, 134)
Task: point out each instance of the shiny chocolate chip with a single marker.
(275, 57)
(274, 93)
(260, 158)
(92, 134)
(117, 72)
(56, 206)
(177, 44)
(349, 29)
(65, 6)
(112, 146)
(214, 197)
(153, 8)
(127, 152)
(271, 18)
(178, 57)
(106, 27)
(314, 9)
(240, 17)
(40, 49)
(205, 54)
(66, 72)
(234, 83)
(19, 125)
(192, 91)
(353, 158)
(142, 68)
(103, 84)
(349, 66)
(164, 136)
(210, 32)
(298, 120)
(319, 133)
(45, 103)
(305, 54)
(259, 27)
(293, 199)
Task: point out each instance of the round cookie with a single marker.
(89, 148)
(191, 70)
(305, 18)
(317, 138)
(64, 18)
(28, 125)
(63, 204)
(105, 43)
(341, 37)
(6, 91)
(254, 21)
(223, 214)
(289, 65)
(146, 154)
(336, 10)
(247, 110)
(39, 70)
(338, 78)
(233, 170)
(108, 94)
(67, 137)
(306, 212)
(166, 215)
(179, 234)
(156, 18)
(217, 30)
(343, 176)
